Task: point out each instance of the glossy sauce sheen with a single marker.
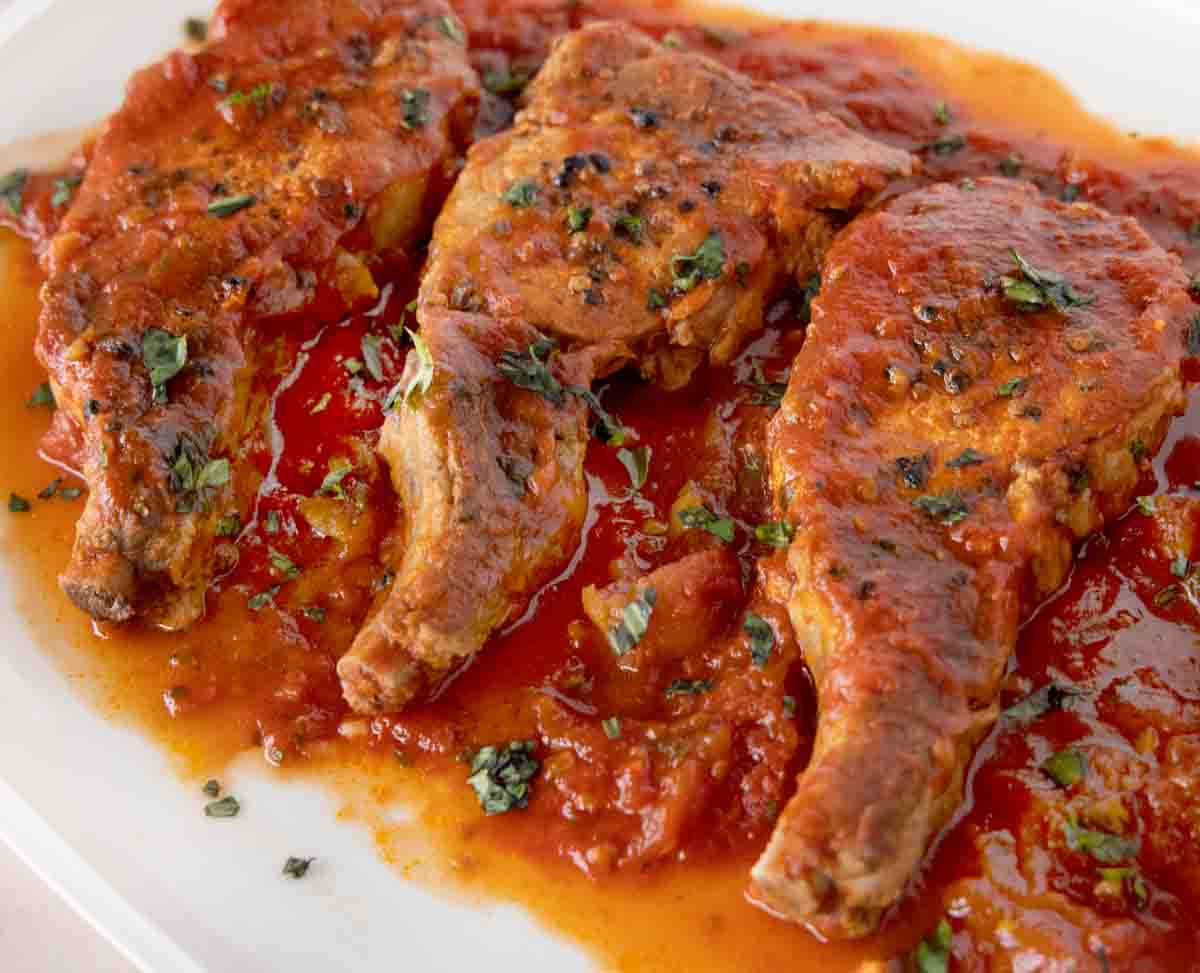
(259, 670)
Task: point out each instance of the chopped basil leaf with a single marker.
(1147, 505)
(948, 508)
(1036, 289)
(707, 263)
(43, 395)
(283, 564)
(701, 518)
(226, 807)
(688, 687)
(452, 28)
(500, 776)
(1109, 849)
(578, 218)
(229, 526)
(637, 464)
(777, 533)
(635, 620)
(610, 431)
(629, 226)
(767, 393)
(228, 205)
(18, 504)
(255, 95)
(789, 706)
(612, 727)
(527, 370)
(70, 493)
(968, 457)
(51, 489)
(371, 356)
(195, 29)
(297, 867)
(314, 613)
(414, 391)
(331, 486)
(164, 356)
(263, 598)
(1180, 566)
(1010, 388)
(321, 405)
(521, 194)
(946, 145)
(353, 365)
(505, 82)
(941, 113)
(932, 954)
(655, 300)
(64, 189)
(415, 102)
(1066, 768)
(212, 787)
(1011, 166)
(1129, 875)
(12, 188)
(762, 638)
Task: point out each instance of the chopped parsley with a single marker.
(578, 218)
(946, 145)
(256, 95)
(628, 225)
(331, 486)
(260, 601)
(17, 504)
(521, 194)
(941, 113)
(968, 457)
(612, 727)
(64, 189)
(1048, 699)
(164, 356)
(452, 28)
(195, 476)
(283, 564)
(688, 687)
(1066, 768)
(608, 429)
(777, 533)
(371, 356)
(297, 867)
(1108, 849)
(1147, 505)
(321, 404)
(1011, 166)
(1128, 875)
(948, 508)
(701, 518)
(51, 489)
(226, 807)
(272, 521)
(762, 638)
(314, 613)
(228, 205)
(528, 370)
(12, 189)
(229, 526)
(932, 954)
(707, 263)
(1014, 386)
(43, 395)
(1031, 289)
(637, 464)
(418, 385)
(415, 108)
(769, 394)
(500, 776)
(655, 299)
(505, 82)
(635, 620)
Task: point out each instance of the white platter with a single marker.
(95, 810)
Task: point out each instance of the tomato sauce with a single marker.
(625, 845)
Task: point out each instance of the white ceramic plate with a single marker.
(94, 808)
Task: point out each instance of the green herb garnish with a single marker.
(1066, 768)
(500, 776)
(283, 564)
(635, 620)
(612, 727)
(228, 205)
(260, 601)
(707, 263)
(578, 218)
(528, 370)
(452, 28)
(505, 82)
(371, 356)
(1012, 387)
(64, 189)
(164, 356)
(1108, 849)
(1033, 289)
(688, 687)
(701, 518)
(418, 385)
(968, 457)
(12, 189)
(521, 194)
(777, 533)
(229, 526)
(17, 504)
(226, 807)
(637, 464)
(297, 867)
(941, 113)
(932, 954)
(1147, 505)
(255, 96)
(43, 395)
(762, 638)
(948, 508)
(331, 486)
(629, 226)
(194, 475)
(415, 105)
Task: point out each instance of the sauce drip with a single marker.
(1119, 640)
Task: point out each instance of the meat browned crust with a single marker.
(956, 420)
(250, 180)
(645, 204)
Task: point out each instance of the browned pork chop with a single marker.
(642, 207)
(247, 181)
(986, 372)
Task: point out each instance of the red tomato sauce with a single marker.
(636, 842)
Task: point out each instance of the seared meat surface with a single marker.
(985, 373)
(259, 177)
(644, 205)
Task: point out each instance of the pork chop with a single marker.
(643, 207)
(986, 374)
(267, 174)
